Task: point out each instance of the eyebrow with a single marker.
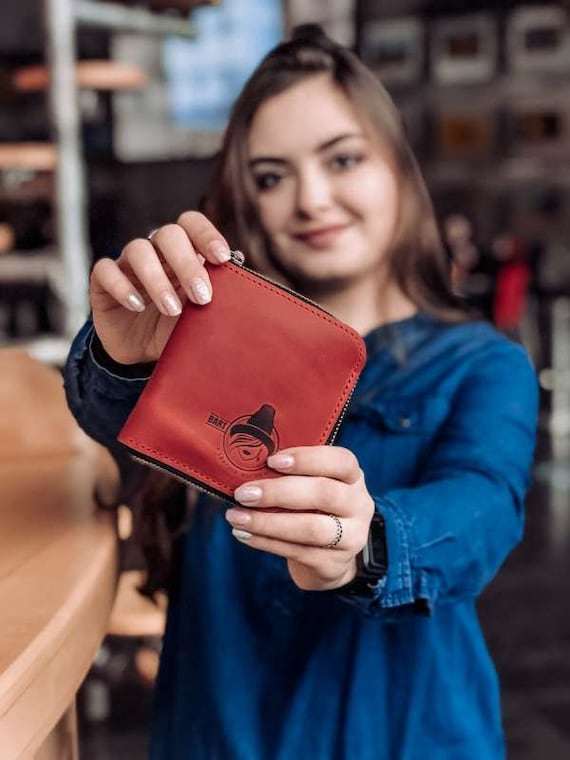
(320, 148)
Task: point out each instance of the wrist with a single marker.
(370, 565)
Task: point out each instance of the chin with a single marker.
(330, 280)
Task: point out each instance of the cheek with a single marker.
(378, 195)
(272, 211)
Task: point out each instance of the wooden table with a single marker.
(58, 567)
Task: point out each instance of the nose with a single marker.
(313, 192)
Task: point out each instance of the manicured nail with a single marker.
(241, 535)
(220, 251)
(281, 461)
(238, 516)
(247, 494)
(171, 303)
(135, 302)
(201, 291)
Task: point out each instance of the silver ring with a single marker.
(338, 526)
(151, 233)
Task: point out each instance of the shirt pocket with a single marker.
(407, 416)
(393, 438)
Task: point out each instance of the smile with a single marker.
(321, 237)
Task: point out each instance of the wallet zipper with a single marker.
(178, 475)
(238, 259)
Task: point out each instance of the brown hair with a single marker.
(417, 259)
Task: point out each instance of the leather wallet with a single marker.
(259, 368)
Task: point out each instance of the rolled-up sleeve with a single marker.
(448, 535)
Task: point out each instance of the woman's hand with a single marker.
(323, 488)
(137, 299)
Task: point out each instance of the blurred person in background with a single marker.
(279, 643)
(473, 268)
(511, 290)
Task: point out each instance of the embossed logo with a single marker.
(251, 438)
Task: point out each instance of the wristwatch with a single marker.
(372, 562)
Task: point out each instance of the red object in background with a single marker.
(511, 288)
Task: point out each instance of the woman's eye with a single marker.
(267, 180)
(345, 160)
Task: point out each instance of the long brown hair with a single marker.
(416, 258)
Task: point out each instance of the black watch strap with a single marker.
(372, 562)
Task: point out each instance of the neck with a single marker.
(364, 305)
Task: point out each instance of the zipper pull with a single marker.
(238, 258)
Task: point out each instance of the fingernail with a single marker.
(241, 535)
(171, 303)
(220, 251)
(135, 302)
(247, 494)
(238, 516)
(201, 291)
(281, 461)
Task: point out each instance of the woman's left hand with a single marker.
(325, 519)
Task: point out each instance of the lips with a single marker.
(321, 237)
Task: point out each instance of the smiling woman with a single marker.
(327, 197)
(349, 579)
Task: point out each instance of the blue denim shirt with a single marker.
(253, 668)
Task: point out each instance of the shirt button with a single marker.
(405, 422)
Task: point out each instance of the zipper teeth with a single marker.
(177, 475)
(341, 416)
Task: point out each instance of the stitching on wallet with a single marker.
(318, 313)
(324, 435)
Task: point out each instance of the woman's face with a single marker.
(326, 194)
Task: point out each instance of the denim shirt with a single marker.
(253, 668)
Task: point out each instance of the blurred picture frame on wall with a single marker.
(538, 39)
(464, 134)
(394, 49)
(464, 49)
(539, 126)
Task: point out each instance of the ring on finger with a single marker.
(151, 233)
(338, 535)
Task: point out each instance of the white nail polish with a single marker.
(201, 291)
(241, 535)
(135, 302)
(220, 251)
(171, 303)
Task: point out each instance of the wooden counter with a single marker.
(57, 583)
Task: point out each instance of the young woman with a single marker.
(278, 645)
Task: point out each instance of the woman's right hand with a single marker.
(136, 299)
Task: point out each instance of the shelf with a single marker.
(33, 155)
(95, 75)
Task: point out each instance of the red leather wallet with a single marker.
(258, 369)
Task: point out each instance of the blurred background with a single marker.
(110, 118)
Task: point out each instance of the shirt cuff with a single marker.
(400, 591)
(101, 358)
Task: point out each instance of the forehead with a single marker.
(306, 115)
